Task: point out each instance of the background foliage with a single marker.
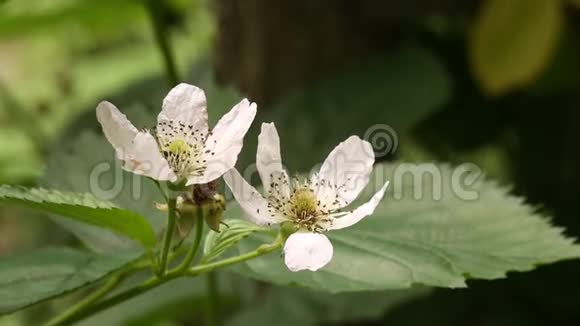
(490, 82)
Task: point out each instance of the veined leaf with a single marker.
(513, 41)
(81, 207)
(43, 274)
(217, 243)
(430, 229)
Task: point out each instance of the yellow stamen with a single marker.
(178, 146)
(304, 203)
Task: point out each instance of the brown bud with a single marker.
(213, 211)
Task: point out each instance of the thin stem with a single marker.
(114, 300)
(170, 228)
(196, 242)
(87, 311)
(212, 311)
(109, 286)
(262, 250)
(160, 187)
(153, 260)
(155, 9)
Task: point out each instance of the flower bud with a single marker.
(201, 199)
(213, 211)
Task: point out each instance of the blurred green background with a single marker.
(492, 82)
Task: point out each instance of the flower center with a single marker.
(183, 147)
(178, 147)
(178, 154)
(304, 204)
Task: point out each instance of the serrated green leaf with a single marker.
(513, 41)
(81, 207)
(217, 243)
(430, 241)
(297, 306)
(43, 274)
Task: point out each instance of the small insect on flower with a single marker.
(181, 147)
(310, 206)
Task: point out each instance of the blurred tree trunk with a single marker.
(265, 48)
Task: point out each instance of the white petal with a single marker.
(187, 104)
(252, 202)
(359, 213)
(347, 167)
(269, 160)
(226, 141)
(307, 250)
(118, 130)
(145, 159)
(138, 150)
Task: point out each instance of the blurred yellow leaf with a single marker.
(513, 41)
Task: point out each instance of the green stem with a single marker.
(196, 242)
(160, 187)
(170, 228)
(87, 311)
(156, 9)
(260, 251)
(114, 300)
(109, 286)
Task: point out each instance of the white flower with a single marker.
(181, 148)
(313, 205)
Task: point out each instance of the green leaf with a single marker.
(427, 231)
(513, 42)
(43, 274)
(217, 243)
(297, 306)
(81, 207)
